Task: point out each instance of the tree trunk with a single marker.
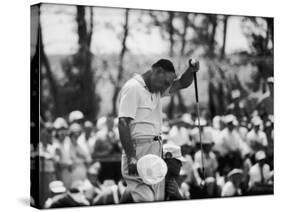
(83, 61)
(52, 82)
(171, 33)
(225, 21)
(121, 62)
(213, 19)
(183, 40)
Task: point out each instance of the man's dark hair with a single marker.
(165, 64)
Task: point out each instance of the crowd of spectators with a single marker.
(79, 161)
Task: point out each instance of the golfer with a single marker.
(140, 122)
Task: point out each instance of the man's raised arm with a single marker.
(186, 78)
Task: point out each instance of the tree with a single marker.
(80, 91)
(225, 21)
(261, 43)
(213, 22)
(117, 83)
(50, 103)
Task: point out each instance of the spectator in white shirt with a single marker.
(233, 186)
(259, 173)
(230, 146)
(256, 138)
(86, 140)
(208, 172)
(179, 134)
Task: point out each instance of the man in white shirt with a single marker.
(140, 119)
(230, 146)
(233, 186)
(256, 138)
(210, 168)
(259, 175)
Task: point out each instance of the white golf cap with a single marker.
(203, 122)
(186, 118)
(229, 119)
(60, 123)
(75, 127)
(88, 124)
(260, 155)
(75, 115)
(152, 169)
(207, 140)
(57, 187)
(235, 94)
(270, 80)
(234, 172)
(256, 121)
(174, 150)
(101, 123)
(48, 125)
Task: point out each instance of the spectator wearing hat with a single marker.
(73, 197)
(233, 185)
(259, 175)
(76, 116)
(179, 133)
(174, 159)
(210, 167)
(236, 107)
(111, 193)
(269, 131)
(206, 132)
(243, 128)
(86, 141)
(265, 104)
(108, 146)
(231, 145)
(256, 138)
(79, 159)
(217, 127)
(47, 159)
(63, 147)
(56, 190)
(60, 140)
(107, 139)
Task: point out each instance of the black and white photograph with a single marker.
(133, 105)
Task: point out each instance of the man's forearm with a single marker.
(186, 78)
(125, 137)
(183, 82)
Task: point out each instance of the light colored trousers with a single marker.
(140, 191)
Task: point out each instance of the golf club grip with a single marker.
(196, 89)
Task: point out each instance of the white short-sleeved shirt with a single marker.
(255, 173)
(229, 190)
(259, 137)
(144, 107)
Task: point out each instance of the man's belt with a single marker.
(157, 138)
(147, 140)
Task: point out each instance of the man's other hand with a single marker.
(132, 166)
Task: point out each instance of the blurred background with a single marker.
(87, 53)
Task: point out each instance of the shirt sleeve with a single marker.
(128, 102)
(166, 92)
(264, 139)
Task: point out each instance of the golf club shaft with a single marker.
(199, 126)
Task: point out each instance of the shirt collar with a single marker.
(140, 79)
